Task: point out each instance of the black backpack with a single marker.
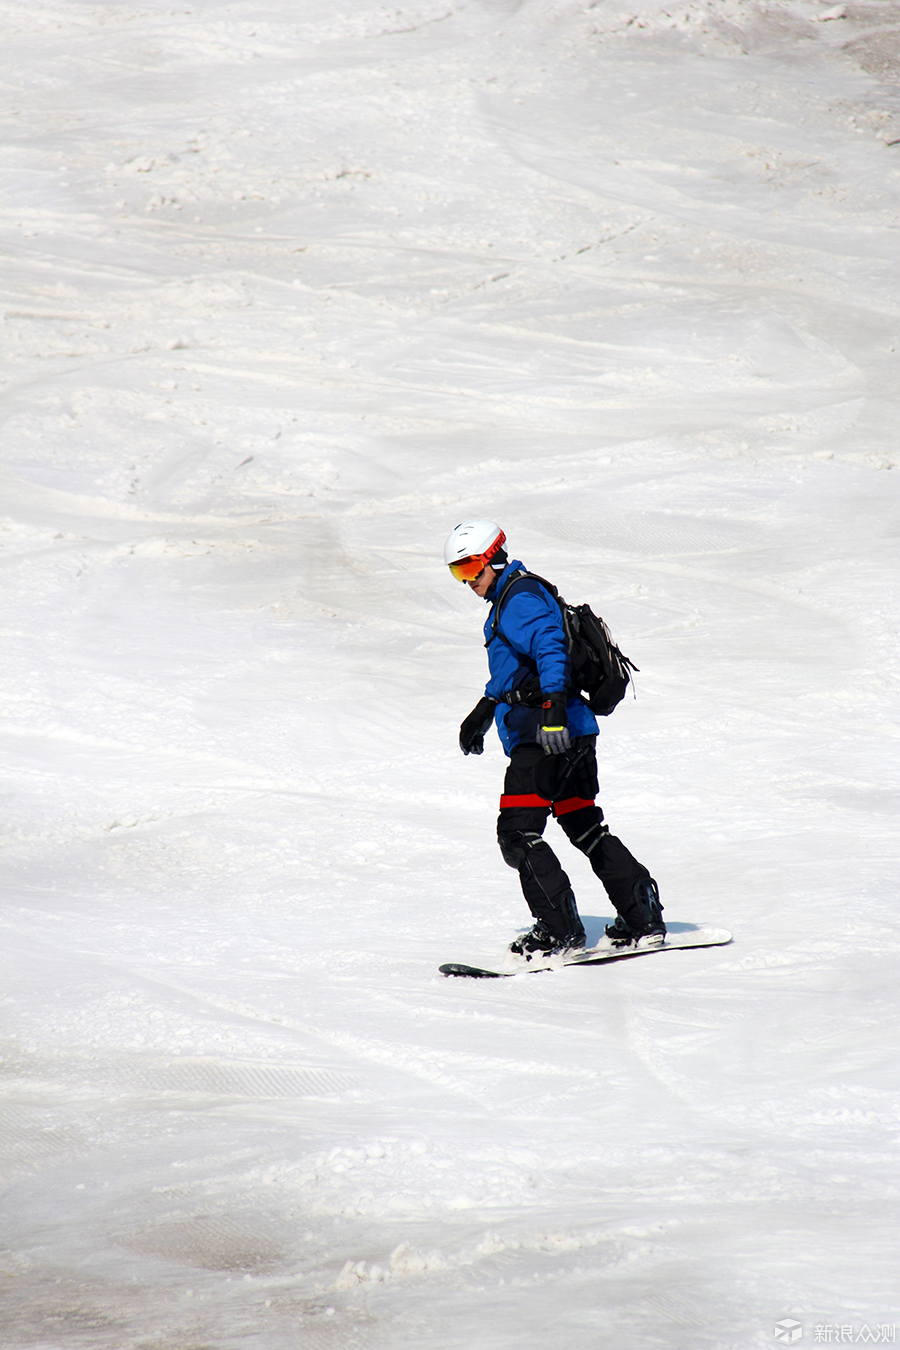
(600, 672)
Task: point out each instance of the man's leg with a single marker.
(626, 881)
(618, 870)
(520, 827)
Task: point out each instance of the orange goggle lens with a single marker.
(467, 569)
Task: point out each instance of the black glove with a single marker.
(553, 732)
(471, 732)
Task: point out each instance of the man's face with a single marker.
(483, 582)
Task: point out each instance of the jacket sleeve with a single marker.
(533, 624)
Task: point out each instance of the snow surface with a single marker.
(290, 288)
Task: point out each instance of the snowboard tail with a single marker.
(596, 956)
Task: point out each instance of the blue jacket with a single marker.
(532, 625)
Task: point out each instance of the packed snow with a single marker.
(290, 289)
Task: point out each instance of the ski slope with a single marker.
(288, 290)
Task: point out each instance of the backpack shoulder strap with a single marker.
(516, 581)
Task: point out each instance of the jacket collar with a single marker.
(511, 570)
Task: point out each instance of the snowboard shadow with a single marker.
(594, 928)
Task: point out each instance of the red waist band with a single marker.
(571, 804)
(523, 799)
(508, 802)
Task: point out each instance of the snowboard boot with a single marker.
(651, 931)
(538, 941)
(541, 941)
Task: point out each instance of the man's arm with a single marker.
(532, 623)
(539, 627)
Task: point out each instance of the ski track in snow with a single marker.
(287, 292)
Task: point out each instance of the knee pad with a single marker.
(514, 846)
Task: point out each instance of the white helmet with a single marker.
(471, 546)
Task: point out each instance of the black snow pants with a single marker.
(537, 783)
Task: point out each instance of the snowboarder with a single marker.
(550, 739)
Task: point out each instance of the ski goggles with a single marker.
(467, 569)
